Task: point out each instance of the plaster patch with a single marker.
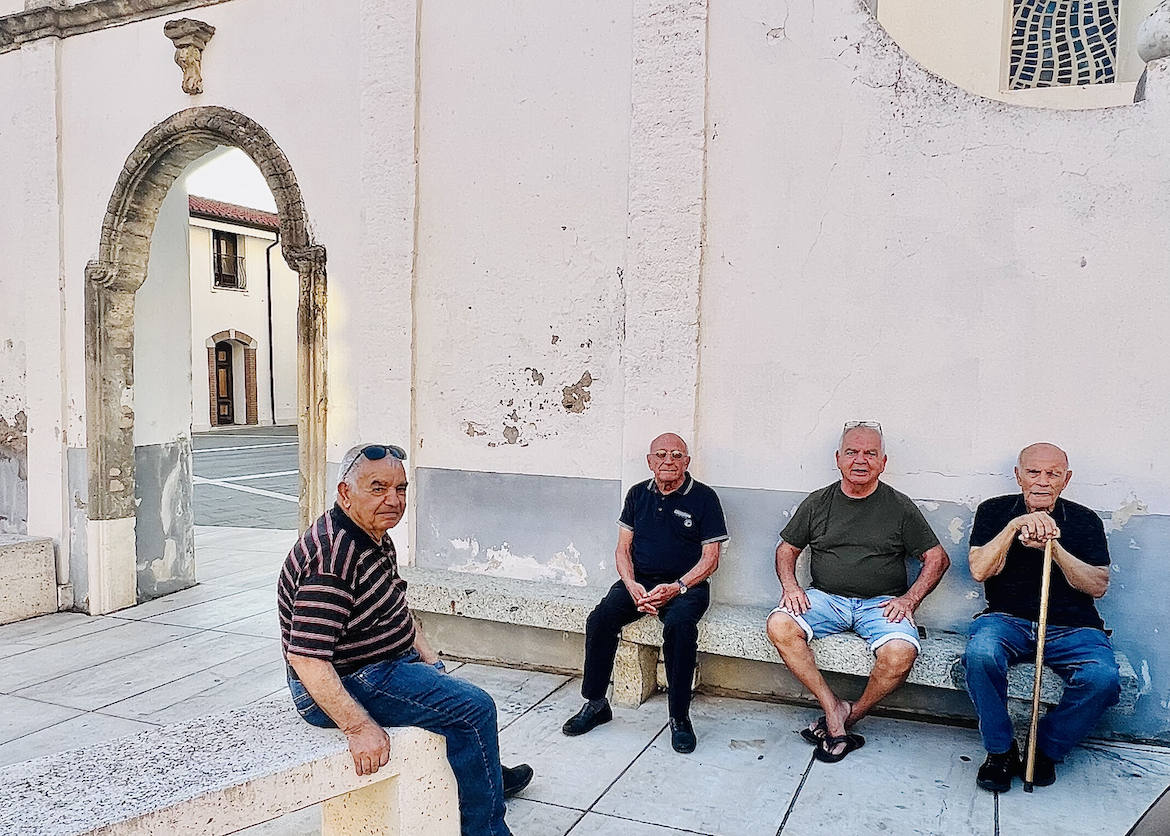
(926, 505)
(14, 441)
(471, 545)
(1146, 682)
(1133, 545)
(163, 568)
(473, 429)
(956, 530)
(563, 567)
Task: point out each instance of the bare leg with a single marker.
(894, 660)
(789, 640)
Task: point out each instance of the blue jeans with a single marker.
(408, 692)
(1082, 656)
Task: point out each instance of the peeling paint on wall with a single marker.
(563, 567)
(955, 528)
(576, 397)
(14, 474)
(1128, 510)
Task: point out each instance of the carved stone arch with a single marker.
(232, 334)
(111, 282)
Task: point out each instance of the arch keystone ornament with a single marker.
(112, 280)
(189, 37)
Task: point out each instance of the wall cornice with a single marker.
(65, 21)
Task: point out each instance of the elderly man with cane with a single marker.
(1008, 540)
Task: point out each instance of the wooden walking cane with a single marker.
(1046, 576)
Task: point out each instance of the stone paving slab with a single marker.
(561, 777)
(220, 611)
(1099, 790)
(137, 673)
(20, 716)
(89, 651)
(750, 751)
(229, 684)
(595, 824)
(515, 692)
(265, 625)
(909, 778)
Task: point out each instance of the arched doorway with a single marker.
(112, 281)
(229, 353)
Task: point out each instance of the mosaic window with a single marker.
(1063, 42)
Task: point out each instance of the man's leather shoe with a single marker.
(1043, 770)
(682, 736)
(516, 778)
(998, 770)
(587, 719)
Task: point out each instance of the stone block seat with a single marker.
(224, 772)
(726, 630)
(28, 577)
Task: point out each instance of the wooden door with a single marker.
(225, 408)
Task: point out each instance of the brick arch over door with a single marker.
(111, 282)
(251, 406)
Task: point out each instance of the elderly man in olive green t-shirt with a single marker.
(860, 532)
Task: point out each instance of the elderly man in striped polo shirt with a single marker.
(356, 661)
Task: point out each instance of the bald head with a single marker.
(1043, 449)
(668, 461)
(1042, 473)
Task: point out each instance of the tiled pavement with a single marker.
(67, 680)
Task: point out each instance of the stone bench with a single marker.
(28, 577)
(221, 773)
(732, 631)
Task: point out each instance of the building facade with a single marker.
(528, 239)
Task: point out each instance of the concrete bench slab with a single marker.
(726, 630)
(28, 577)
(225, 772)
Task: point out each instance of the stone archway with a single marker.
(111, 283)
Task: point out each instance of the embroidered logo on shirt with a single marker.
(686, 518)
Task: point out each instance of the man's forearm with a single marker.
(705, 568)
(1090, 579)
(786, 556)
(421, 645)
(324, 686)
(988, 560)
(934, 565)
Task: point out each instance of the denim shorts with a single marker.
(829, 614)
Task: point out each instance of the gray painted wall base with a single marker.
(504, 644)
(164, 529)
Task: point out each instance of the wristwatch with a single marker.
(682, 587)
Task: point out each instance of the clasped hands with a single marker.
(1036, 529)
(649, 602)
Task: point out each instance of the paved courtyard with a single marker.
(67, 680)
(246, 477)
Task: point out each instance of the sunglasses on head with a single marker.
(869, 425)
(375, 452)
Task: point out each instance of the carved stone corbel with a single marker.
(189, 37)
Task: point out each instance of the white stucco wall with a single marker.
(523, 155)
(977, 277)
(162, 331)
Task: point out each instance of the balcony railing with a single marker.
(229, 271)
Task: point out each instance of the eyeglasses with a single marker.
(674, 454)
(869, 425)
(373, 453)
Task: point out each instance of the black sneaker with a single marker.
(1043, 770)
(587, 719)
(516, 778)
(682, 736)
(998, 770)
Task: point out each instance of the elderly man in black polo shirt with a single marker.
(1007, 555)
(355, 659)
(669, 537)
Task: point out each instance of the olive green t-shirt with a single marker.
(859, 546)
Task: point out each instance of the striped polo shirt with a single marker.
(340, 597)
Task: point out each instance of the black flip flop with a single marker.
(818, 732)
(825, 753)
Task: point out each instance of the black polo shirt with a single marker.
(1016, 590)
(670, 530)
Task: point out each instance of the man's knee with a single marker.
(602, 620)
(783, 631)
(1099, 678)
(897, 654)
